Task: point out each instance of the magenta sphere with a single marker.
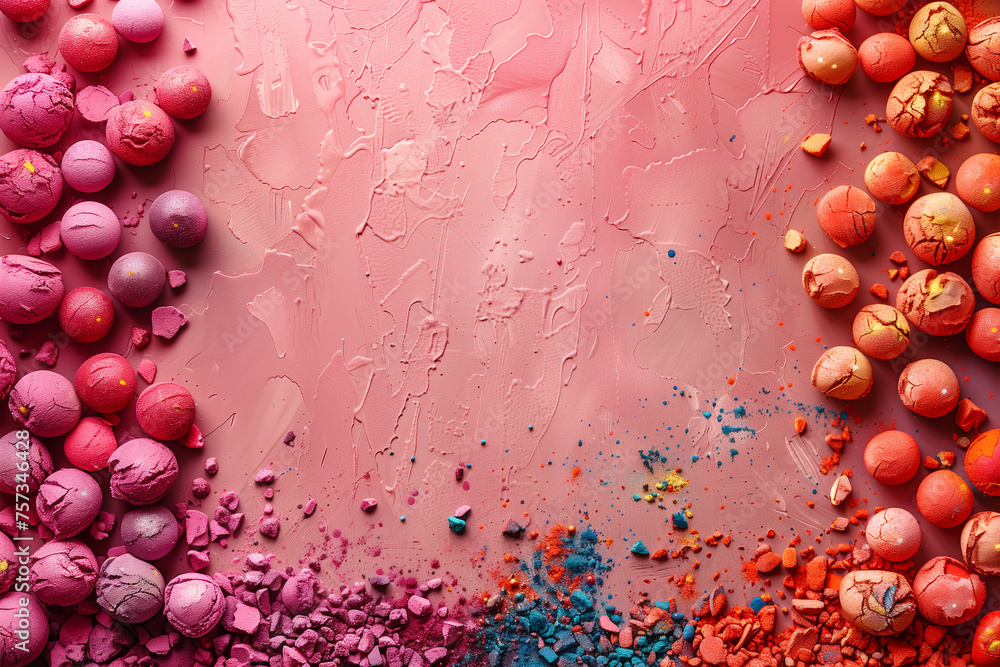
(45, 403)
(88, 42)
(35, 110)
(137, 279)
(33, 184)
(106, 382)
(90, 444)
(138, 21)
(24, 11)
(150, 532)
(86, 314)
(183, 91)
(165, 410)
(68, 501)
(30, 289)
(139, 133)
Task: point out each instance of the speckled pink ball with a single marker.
(978, 181)
(194, 604)
(88, 166)
(142, 471)
(13, 446)
(24, 11)
(894, 534)
(30, 289)
(86, 314)
(140, 133)
(90, 444)
(106, 382)
(90, 230)
(886, 56)
(138, 21)
(986, 267)
(137, 279)
(165, 410)
(178, 219)
(63, 572)
(823, 14)
(150, 532)
(10, 625)
(68, 501)
(45, 403)
(983, 333)
(88, 42)
(30, 185)
(929, 388)
(35, 110)
(183, 92)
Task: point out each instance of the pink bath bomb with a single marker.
(11, 617)
(150, 533)
(90, 444)
(86, 314)
(978, 181)
(88, 166)
(983, 48)
(8, 371)
(886, 56)
(137, 279)
(892, 457)
(939, 304)
(183, 92)
(929, 387)
(178, 219)
(8, 563)
(30, 289)
(847, 215)
(823, 14)
(63, 572)
(45, 403)
(893, 534)
(983, 333)
(105, 382)
(88, 42)
(90, 230)
(165, 410)
(828, 57)
(986, 111)
(193, 604)
(986, 267)
(140, 133)
(142, 471)
(68, 501)
(35, 110)
(982, 462)
(24, 11)
(947, 593)
(130, 589)
(892, 177)
(18, 446)
(30, 185)
(138, 21)
(945, 499)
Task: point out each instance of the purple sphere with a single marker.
(178, 219)
(12, 450)
(90, 230)
(142, 471)
(88, 166)
(129, 589)
(137, 279)
(150, 533)
(45, 403)
(68, 501)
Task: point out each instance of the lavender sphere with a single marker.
(129, 589)
(68, 501)
(142, 471)
(137, 279)
(45, 403)
(39, 462)
(178, 219)
(88, 166)
(30, 289)
(150, 533)
(90, 230)
(63, 572)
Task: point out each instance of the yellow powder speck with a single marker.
(194, 89)
(147, 113)
(30, 167)
(122, 382)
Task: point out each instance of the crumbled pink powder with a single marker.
(176, 278)
(103, 525)
(230, 500)
(51, 237)
(200, 488)
(235, 523)
(167, 321)
(188, 46)
(368, 504)
(48, 354)
(196, 528)
(95, 103)
(140, 337)
(35, 245)
(197, 560)
(217, 531)
(126, 95)
(131, 219)
(147, 370)
(264, 476)
(310, 507)
(211, 465)
(193, 439)
(112, 418)
(270, 526)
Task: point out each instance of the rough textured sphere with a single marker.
(105, 382)
(139, 133)
(30, 289)
(32, 185)
(919, 104)
(843, 372)
(980, 540)
(863, 597)
(24, 11)
(88, 42)
(90, 230)
(947, 593)
(183, 92)
(150, 533)
(38, 629)
(178, 219)
(35, 110)
(88, 166)
(142, 471)
(982, 462)
(45, 403)
(165, 410)
(68, 501)
(130, 589)
(86, 314)
(193, 604)
(929, 388)
(139, 21)
(892, 457)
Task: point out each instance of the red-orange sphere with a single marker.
(982, 462)
(945, 499)
(986, 643)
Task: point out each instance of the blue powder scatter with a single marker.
(694, 458)
(733, 453)
(671, 253)
(679, 519)
(814, 492)
(457, 525)
(732, 138)
(740, 411)
(639, 549)
(706, 414)
(728, 430)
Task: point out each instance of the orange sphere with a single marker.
(982, 463)
(945, 499)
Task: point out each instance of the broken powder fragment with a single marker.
(48, 354)
(963, 78)
(800, 424)
(870, 119)
(768, 562)
(147, 370)
(230, 500)
(879, 290)
(103, 525)
(139, 337)
(211, 465)
(959, 130)
(264, 476)
(897, 257)
(35, 245)
(368, 504)
(200, 488)
(270, 527)
(167, 321)
(794, 241)
(892, 273)
(310, 507)
(197, 560)
(816, 573)
(127, 95)
(816, 144)
(904, 272)
(946, 459)
(51, 237)
(176, 278)
(840, 490)
(934, 171)
(188, 46)
(196, 528)
(931, 463)
(863, 146)
(790, 558)
(193, 438)
(289, 438)
(969, 416)
(840, 524)
(463, 511)
(95, 103)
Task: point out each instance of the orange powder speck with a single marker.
(767, 216)
(750, 572)
(576, 472)
(731, 380)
